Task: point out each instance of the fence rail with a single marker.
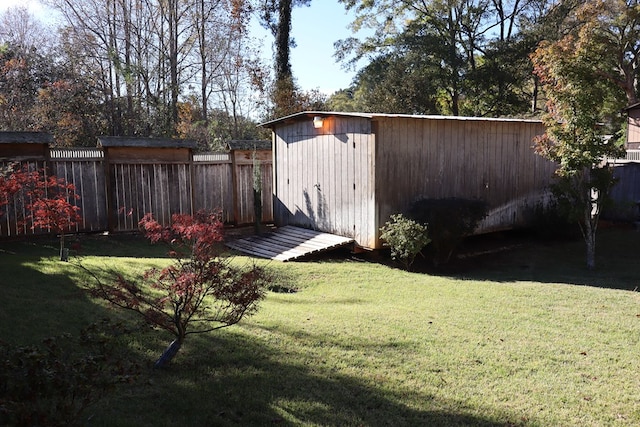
(115, 195)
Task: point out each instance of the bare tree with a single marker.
(150, 55)
(19, 27)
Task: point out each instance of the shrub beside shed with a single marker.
(347, 173)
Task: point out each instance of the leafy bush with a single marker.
(405, 237)
(53, 383)
(450, 220)
(548, 222)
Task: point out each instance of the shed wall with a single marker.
(324, 178)
(491, 160)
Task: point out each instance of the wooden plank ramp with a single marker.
(288, 243)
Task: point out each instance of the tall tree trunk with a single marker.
(590, 239)
(173, 64)
(283, 40)
(128, 78)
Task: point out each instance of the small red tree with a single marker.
(46, 200)
(199, 292)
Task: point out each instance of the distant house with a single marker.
(346, 173)
(633, 134)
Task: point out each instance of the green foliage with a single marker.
(405, 237)
(53, 383)
(393, 83)
(450, 220)
(584, 104)
(446, 57)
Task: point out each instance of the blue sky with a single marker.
(315, 29)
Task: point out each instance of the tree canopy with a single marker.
(191, 68)
(584, 81)
(471, 57)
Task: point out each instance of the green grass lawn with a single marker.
(522, 336)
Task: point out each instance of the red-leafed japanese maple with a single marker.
(46, 200)
(200, 291)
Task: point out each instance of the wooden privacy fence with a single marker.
(626, 192)
(120, 182)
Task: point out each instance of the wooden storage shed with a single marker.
(346, 173)
(25, 146)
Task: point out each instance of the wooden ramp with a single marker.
(288, 243)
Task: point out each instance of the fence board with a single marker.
(88, 178)
(137, 188)
(625, 193)
(212, 188)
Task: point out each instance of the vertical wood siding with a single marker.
(625, 193)
(490, 160)
(324, 177)
(633, 133)
(212, 189)
(350, 176)
(88, 178)
(162, 189)
(244, 186)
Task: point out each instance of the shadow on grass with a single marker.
(242, 381)
(113, 245)
(37, 305)
(524, 256)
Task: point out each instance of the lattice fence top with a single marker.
(211, 157)
(75, 153)
(97, 153)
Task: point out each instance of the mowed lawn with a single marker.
(520, 336)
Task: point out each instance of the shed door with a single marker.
(323, 181)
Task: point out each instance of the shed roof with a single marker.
(128, 141)
(310, 114)
(26, 138)
(247, 144)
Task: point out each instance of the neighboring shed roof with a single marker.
(249, 145)
(311, 114)
(127, 141)
(26, 138)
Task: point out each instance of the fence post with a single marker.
(234, 186)
(108, 184)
